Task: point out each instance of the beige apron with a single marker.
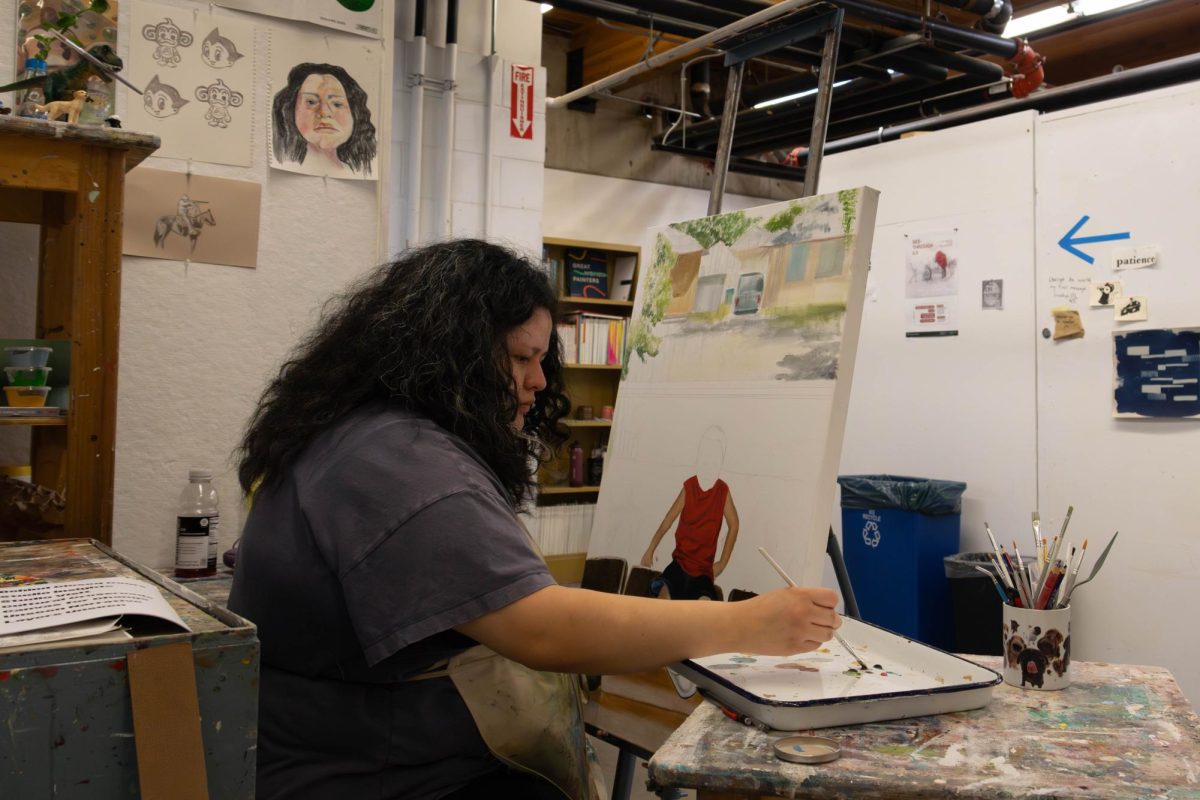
(528, 719)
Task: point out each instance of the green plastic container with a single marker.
(27, 376)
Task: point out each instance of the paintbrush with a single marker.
(1037, 538)
(1058, 541)
(992, 539)
(1096, 568)
(788, 579)
(996, 583)
(1069, 583)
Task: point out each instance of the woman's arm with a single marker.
(669, 520)
(731, 518)
(577, 630)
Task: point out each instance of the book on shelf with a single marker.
(587, 274)
(593, 339)
(560, 529)
(622, 283)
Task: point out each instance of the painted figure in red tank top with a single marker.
(702, 505)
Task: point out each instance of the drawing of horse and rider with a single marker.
(189, 220)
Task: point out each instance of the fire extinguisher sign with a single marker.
(521, 111)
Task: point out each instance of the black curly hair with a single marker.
(357, 152)
(427, 333)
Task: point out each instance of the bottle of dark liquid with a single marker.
(196, 527)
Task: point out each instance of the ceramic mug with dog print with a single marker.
(1037, 647)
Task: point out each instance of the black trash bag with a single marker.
(962, 565)
(923, 495)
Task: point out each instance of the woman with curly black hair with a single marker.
(414, 645)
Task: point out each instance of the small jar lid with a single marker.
(807, 749)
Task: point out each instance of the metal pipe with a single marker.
(994, 14)
(700, 43)
(812, 168)
(446, 180)
(1130, 81)
(491, 61)
(607, 95)
(940, 31)
(416, 82)
(725, 143)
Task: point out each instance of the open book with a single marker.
(35, 614)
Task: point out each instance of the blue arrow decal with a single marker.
(1069, 244)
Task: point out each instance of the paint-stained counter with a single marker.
(1118, 732)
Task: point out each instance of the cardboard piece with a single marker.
(166, 723)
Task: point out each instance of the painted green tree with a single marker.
(724, 228)
(657, 293)
(783, 220)
(849, 201)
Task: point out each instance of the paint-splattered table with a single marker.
(1118, 732)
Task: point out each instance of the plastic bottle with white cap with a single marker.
(196, 527)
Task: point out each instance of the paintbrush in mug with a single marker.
(1037, 538)
(1058, 541)
(1019, 567)
(996, 583)
(788, 580)
(992, 539)
(1072, 576)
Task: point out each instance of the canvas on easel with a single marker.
(728, 426)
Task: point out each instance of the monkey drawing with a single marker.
(169, 38)
(219, 98)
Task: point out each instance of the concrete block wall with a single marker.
(509, 209)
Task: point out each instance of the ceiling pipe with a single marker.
(940, 32)
(993, 14)
(699, 43)
(1118, 84)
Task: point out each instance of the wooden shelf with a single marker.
(584, 244)
(569, 490)
(586, 423)
(593, 366)
(33, 420)
(593, 301)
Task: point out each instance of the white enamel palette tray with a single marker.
(826, 688)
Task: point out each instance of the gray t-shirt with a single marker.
(356, 564)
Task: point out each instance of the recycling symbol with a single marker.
(871, 534)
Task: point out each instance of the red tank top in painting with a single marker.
(699, 526)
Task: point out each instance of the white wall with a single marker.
(618, 211)
(957, 407)
(513, 212)
(1123, 164)
(199, 342)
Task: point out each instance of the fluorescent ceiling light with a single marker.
(1050, 17)
(797, 95)
(546, 7)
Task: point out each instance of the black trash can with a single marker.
(976, 604)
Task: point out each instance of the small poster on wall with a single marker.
(198, 75)
(1156, 373)
(183, 217)
(931, 283)
(325, 104)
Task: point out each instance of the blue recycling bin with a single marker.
(896, 533)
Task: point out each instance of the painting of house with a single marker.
(743, 333)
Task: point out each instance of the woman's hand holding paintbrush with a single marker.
(788, 579)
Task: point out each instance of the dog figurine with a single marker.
(71, 107)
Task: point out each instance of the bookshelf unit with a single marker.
(69, 180)
(594, 385)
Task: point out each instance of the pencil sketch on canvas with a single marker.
(741, 345)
